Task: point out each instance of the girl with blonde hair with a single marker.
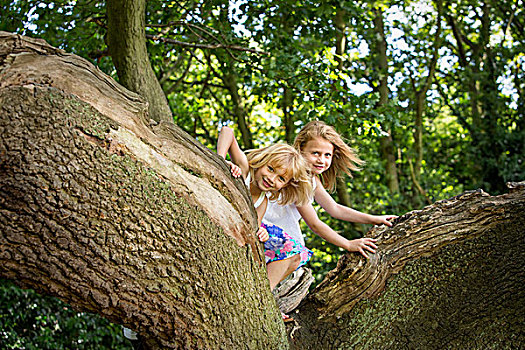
(278, 173)
(328, 156)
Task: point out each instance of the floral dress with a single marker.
(280, 245)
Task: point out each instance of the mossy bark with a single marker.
(115, 218)
(447, 277)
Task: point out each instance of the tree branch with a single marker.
(204, 46)
(436, 273)
(118, 218)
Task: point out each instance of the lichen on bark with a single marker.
(452, 277)
(105, 232)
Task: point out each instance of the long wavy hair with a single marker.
(283, 156)
(344, 159)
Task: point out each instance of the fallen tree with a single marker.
(144, 226)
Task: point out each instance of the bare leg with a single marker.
(280, 269)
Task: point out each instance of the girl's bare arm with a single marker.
(227, 144)
(361, 245)
(342, 212)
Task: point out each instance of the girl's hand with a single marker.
(235, 170)
(263, 234)
(384, 219)
(362, 245)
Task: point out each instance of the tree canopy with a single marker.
(452, 74)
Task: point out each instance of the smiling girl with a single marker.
(278, 173)
(328, 156)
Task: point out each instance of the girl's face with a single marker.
(318, 152)
(271, 178)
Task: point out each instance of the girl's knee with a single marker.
(295, 260)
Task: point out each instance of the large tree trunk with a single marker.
(449, 276)
(144, 227)
(148, 229)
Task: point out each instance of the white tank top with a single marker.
(261, 196)
(286, 217)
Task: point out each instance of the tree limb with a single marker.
(451, 273)
(145, 227)
(204, 46)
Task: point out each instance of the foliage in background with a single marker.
(31, 321)
(268, 67)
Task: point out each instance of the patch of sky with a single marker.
(357, 88)
(361, 50)
(507, 88)
(65, 9)
(238, 18)
(31, 16)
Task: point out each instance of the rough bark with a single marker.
(144, 227)
(449, 276)
(127, 46)
(290, 292)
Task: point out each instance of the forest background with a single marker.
(429, 92)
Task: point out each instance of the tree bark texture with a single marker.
(144, 227)
(127, 45)
(449, 276)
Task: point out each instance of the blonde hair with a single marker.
(344, 159)
(299, 187)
